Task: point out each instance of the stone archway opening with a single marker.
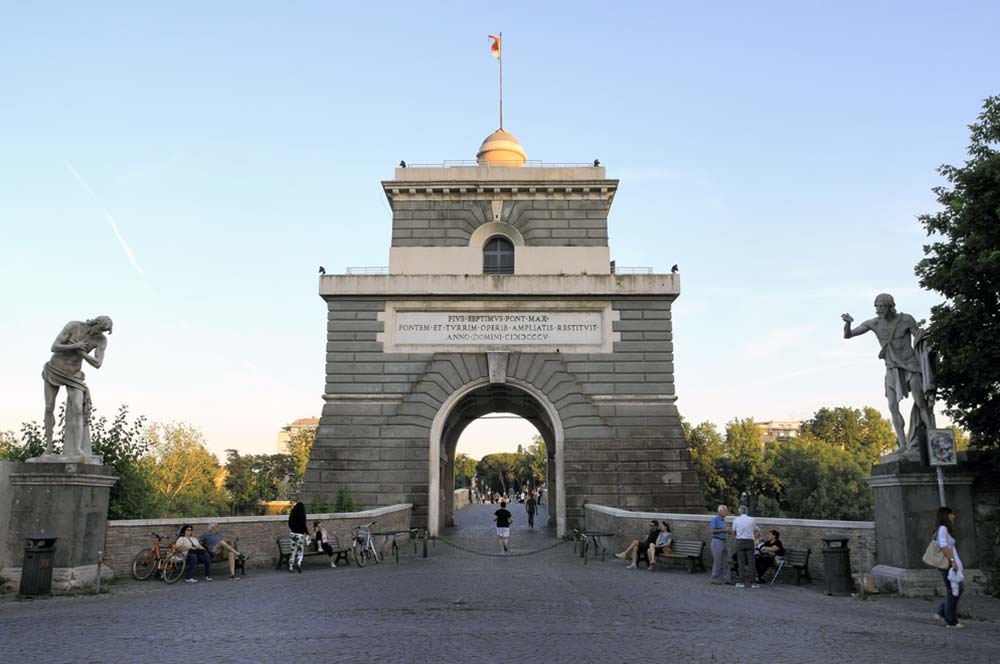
(472, 402)
(501, 433)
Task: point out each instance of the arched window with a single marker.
(498, 256)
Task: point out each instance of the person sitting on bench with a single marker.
(323, 541)
(767, 552)
(215, 543)
(189, 546)
(636, 546)
(662, 545)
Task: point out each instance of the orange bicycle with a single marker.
(159, 558)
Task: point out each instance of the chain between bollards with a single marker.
(510, 554)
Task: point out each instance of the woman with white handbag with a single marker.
(950, 566)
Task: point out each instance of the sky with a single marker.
(186, 168)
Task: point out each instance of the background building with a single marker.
(286, 432)
(776, 431)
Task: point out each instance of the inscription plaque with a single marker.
(498, 328)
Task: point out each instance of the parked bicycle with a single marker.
(363, 546)
(160, 558)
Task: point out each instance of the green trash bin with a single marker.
(36, 572)
(837, 564)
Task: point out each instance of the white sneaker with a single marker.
(754, 585)
(740, 585)
(631, 566)
(208, 578)
(332, 564)
(620, 556)
(191, 580)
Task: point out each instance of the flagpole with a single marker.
(501, 79)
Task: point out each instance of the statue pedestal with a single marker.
(906, 502)
(65, 500)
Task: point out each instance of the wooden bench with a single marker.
(689, 549)
(285, 550)
(222, 556)
(798, 560)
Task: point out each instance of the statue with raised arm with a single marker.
(908, 367)
(71, 348)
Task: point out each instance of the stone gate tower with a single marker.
(500, 297)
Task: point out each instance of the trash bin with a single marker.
(36, 572)
(837, 564)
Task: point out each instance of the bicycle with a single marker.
(169, 564)
(363, 545)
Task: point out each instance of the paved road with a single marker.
(460, 607)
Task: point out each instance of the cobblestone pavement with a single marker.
(456, 606)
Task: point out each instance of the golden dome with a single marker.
(501, 149)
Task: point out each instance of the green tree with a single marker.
(465, 470)
(186, 475)
(124, 446)
(816, 479)
(538, 457)
(864, 434)
(241, 483)
(299, 448)
(30, 444)
(258, 477)
(742, 466)
(961, 438)
(963, 264)
(707, 448)
(490, 468)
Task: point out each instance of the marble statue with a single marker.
(908, 368)
(74, 344)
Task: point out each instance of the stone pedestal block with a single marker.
(68, 501)
(906, 501)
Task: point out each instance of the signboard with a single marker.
(941, 447)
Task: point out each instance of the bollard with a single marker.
(100, 559)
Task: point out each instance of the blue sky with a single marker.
(778, 153)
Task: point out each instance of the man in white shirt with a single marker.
(745, 528)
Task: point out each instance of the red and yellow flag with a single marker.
(495, 46)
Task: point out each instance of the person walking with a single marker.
(503, 518)
(298, 534)
(953, 575)
(746, 543)
(530, 505)
(720, 549)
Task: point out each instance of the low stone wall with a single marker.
(6, 494)
(795, 533)
(257, 534)
(461, 498)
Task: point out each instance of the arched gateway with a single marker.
(501, 297)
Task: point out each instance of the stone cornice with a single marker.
(62, 479)
(522, 286)
(458, 190)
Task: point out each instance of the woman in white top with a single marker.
(189, 545)
(953, 574)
